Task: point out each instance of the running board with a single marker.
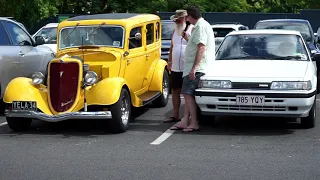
(149, 96)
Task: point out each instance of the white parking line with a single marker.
(2, 124)
(163, 137)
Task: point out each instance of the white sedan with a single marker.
(261, 73)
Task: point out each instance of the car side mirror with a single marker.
(39, 40)
(316, 57)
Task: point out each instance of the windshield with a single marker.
(49, 34)
(221, 32)
(111, 36)
(167, 29)
(262, 46)
(303, 28)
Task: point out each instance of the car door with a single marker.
(135, 61)
(31, 57)
(9, 59)
(152, 52)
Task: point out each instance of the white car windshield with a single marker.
(49, 34)
(110, 36)
(262, 46)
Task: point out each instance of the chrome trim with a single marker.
(58, 117)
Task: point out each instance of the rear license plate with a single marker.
(24, 105)
(250, 100)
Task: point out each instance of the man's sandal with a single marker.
(171, 119)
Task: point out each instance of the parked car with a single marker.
(261, 73)
(49, 33)
(106, 64)
(221, 29)
(301, 25)
(167, 30)
(20, 55)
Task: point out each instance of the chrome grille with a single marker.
(251, 108)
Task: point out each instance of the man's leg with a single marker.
(176, 81)
(185, 120)
(190, 102)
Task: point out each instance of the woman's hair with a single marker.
(194, 12)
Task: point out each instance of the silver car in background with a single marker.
(20, 54)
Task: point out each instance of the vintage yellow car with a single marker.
(105, 65)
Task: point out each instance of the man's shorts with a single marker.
(189, 86)
(176, 80)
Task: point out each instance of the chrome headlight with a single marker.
(291, 85)
(216, 84)
(90, 78)
(37, 78)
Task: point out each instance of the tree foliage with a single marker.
(30, 12)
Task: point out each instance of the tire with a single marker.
(18, 124)
(121, 113)
(310, 120)
(162, 100)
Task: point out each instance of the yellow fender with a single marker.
(22, 89)
(105, 92)
(156, 82)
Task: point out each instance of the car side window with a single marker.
(135, 43)
(19, 36)
(150, 33)
(4, 40)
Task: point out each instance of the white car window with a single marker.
(49, 34)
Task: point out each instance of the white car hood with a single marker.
(258, 69)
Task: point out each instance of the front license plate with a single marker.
(250, 100)
(24, 105)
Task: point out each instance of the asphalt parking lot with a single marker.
(231, 148)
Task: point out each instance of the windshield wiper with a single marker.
(288, 57)
(72, 31)
(96, 28)
(247, 57)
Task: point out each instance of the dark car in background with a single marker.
(301, 25)
(167, 29)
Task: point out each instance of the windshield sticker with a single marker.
(302, 56)
(116, 43)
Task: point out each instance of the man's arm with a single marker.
(199, 55)
(170, 54)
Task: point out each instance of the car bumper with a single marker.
(277, 104)
(58, 117)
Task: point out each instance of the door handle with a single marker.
(148, 55)
(21, 54)
(129, 61)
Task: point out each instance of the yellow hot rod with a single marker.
(105, 65)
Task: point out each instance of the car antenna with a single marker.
(84, 89)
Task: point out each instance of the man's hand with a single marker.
(169, 66)
(185, 36)
(192, 74)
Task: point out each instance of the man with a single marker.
(179, 42)
(198, 54)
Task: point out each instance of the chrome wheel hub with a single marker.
(165, 88)
(124, 111)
